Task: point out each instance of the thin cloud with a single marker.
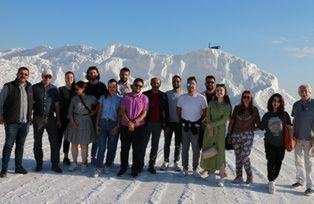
(280, 40)
(305, 52)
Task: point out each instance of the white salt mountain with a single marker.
(165, 186)
(236, 73)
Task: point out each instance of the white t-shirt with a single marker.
(192, 106)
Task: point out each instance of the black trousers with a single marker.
(153, 129)
(274, 156)
(177, 130)
(66, 144)
(134, 138)
(39, 125)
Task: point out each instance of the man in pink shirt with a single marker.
(134, 108)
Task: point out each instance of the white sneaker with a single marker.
(197, 174)
(83, 168)
(73, 166)
(184, 172)
(221, 182)
(271, 187)
(164, 166)
(97, 172)
(176, 166)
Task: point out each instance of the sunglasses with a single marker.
(190, 85)
(47, 76)
(246, 97)
(137, 86)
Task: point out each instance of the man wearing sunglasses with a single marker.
(133, 110)
(173, 126)
(15, 113)
(303, 122)
(46, 115)
(191, 109)
(210, 84)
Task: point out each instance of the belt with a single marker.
(108, 120)
(196, 125)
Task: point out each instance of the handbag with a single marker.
(228, 144)
(209, 153)
(290, 140)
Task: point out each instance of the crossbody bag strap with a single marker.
(86, 107)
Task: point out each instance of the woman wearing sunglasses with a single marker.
(243, 123)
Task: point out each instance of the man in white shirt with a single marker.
(191, 109)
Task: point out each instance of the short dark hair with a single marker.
(138, 79)
(69, 72)
(81, 84)
(112, 81)
(22, 68)
(124, 69)
(281, 107)
(176, 77)
(92, 68)
(210, 77)
(192, 78)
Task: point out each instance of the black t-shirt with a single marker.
(274, 124)
(96, 90)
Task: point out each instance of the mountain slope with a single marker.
(236, 73)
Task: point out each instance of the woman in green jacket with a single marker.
(218, 113)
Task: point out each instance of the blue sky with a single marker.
(276, 35)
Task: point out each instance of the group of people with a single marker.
(82, 113)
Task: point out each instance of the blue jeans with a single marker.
(106, 140)
(15, 132)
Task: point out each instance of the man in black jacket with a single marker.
(157, 117)
(15, 113)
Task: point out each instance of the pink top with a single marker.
(134, 105)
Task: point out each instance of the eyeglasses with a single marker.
(137, 85)
(23, 74)
(47, 76)
(190, 85)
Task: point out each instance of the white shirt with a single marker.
(192, 106)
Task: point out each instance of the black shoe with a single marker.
(152, 170)
(295, 185)
(93, 161)
(20, 170)
(134, 174)
(39, 167)
(3, 173)
(56, 169)
(66, 161)
(121, 172)
(308, 192)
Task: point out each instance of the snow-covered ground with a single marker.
(164, 187)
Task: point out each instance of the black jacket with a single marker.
(12, 103)
(163, 106)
